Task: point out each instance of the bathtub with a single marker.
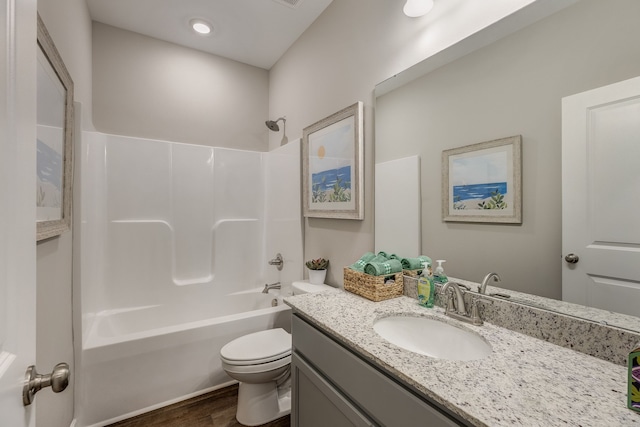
(137, 359)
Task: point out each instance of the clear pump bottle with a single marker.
(438, 274)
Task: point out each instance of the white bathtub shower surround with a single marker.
(174, 215)
(284, 223)
(175, 240)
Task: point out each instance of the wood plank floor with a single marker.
(217, 409)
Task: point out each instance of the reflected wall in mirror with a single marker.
(512, 86)
(54, 140)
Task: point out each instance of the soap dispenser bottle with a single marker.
(426, 287)
(438, 274)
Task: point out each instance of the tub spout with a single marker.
(267, 287)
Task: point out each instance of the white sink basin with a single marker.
(432, 338)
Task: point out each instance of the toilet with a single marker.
(261, 362)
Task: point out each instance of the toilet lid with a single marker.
(258, 347)
(305, 287)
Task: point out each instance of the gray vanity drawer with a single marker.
(382, 398)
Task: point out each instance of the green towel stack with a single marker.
(383, 268)
(384, 263)
(414, 263)
(359, 265)
(387, 256)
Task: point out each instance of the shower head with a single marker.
(273, 124)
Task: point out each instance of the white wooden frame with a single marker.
(332, 165)
(60, 221)
(483, 182)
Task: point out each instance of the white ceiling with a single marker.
(255, 32)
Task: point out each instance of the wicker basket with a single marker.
(412, 273)
(372, 287)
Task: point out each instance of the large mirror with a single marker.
(512, 85)
(54, 140)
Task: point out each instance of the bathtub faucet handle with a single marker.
(277, 261)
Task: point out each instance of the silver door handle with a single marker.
(58, 380)
(572, 258)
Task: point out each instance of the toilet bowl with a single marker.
(261, 362)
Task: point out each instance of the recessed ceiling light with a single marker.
(416, 8)
(200, 26)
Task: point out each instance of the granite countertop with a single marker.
(525, 381)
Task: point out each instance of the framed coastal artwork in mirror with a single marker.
(483, 182)
(54, 164)
(332, 174)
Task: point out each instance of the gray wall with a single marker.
(149, 88)
(351, 47)
(70, 28)
(512, 87)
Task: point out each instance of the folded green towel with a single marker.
(383, 268)
(414, 263)
(364, 259)
(379, 258)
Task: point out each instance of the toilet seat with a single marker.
(259, 348)
(256, 368)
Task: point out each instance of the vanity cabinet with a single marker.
(334, 386)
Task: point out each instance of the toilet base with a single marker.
(261, 403)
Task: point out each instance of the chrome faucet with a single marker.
(482, 289)
(267, 287)
(277, 261)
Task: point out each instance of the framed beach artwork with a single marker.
(54, 140)
(332, 174)
(483, 182)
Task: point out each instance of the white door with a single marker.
(601, 197)
(17, 206)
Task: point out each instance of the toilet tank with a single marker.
(304, 287)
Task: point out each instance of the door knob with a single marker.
(572, 258)
(58, 380)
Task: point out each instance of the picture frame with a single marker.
(55, 123)
(332, 166)
(483, 182)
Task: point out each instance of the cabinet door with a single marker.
(315, 403)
